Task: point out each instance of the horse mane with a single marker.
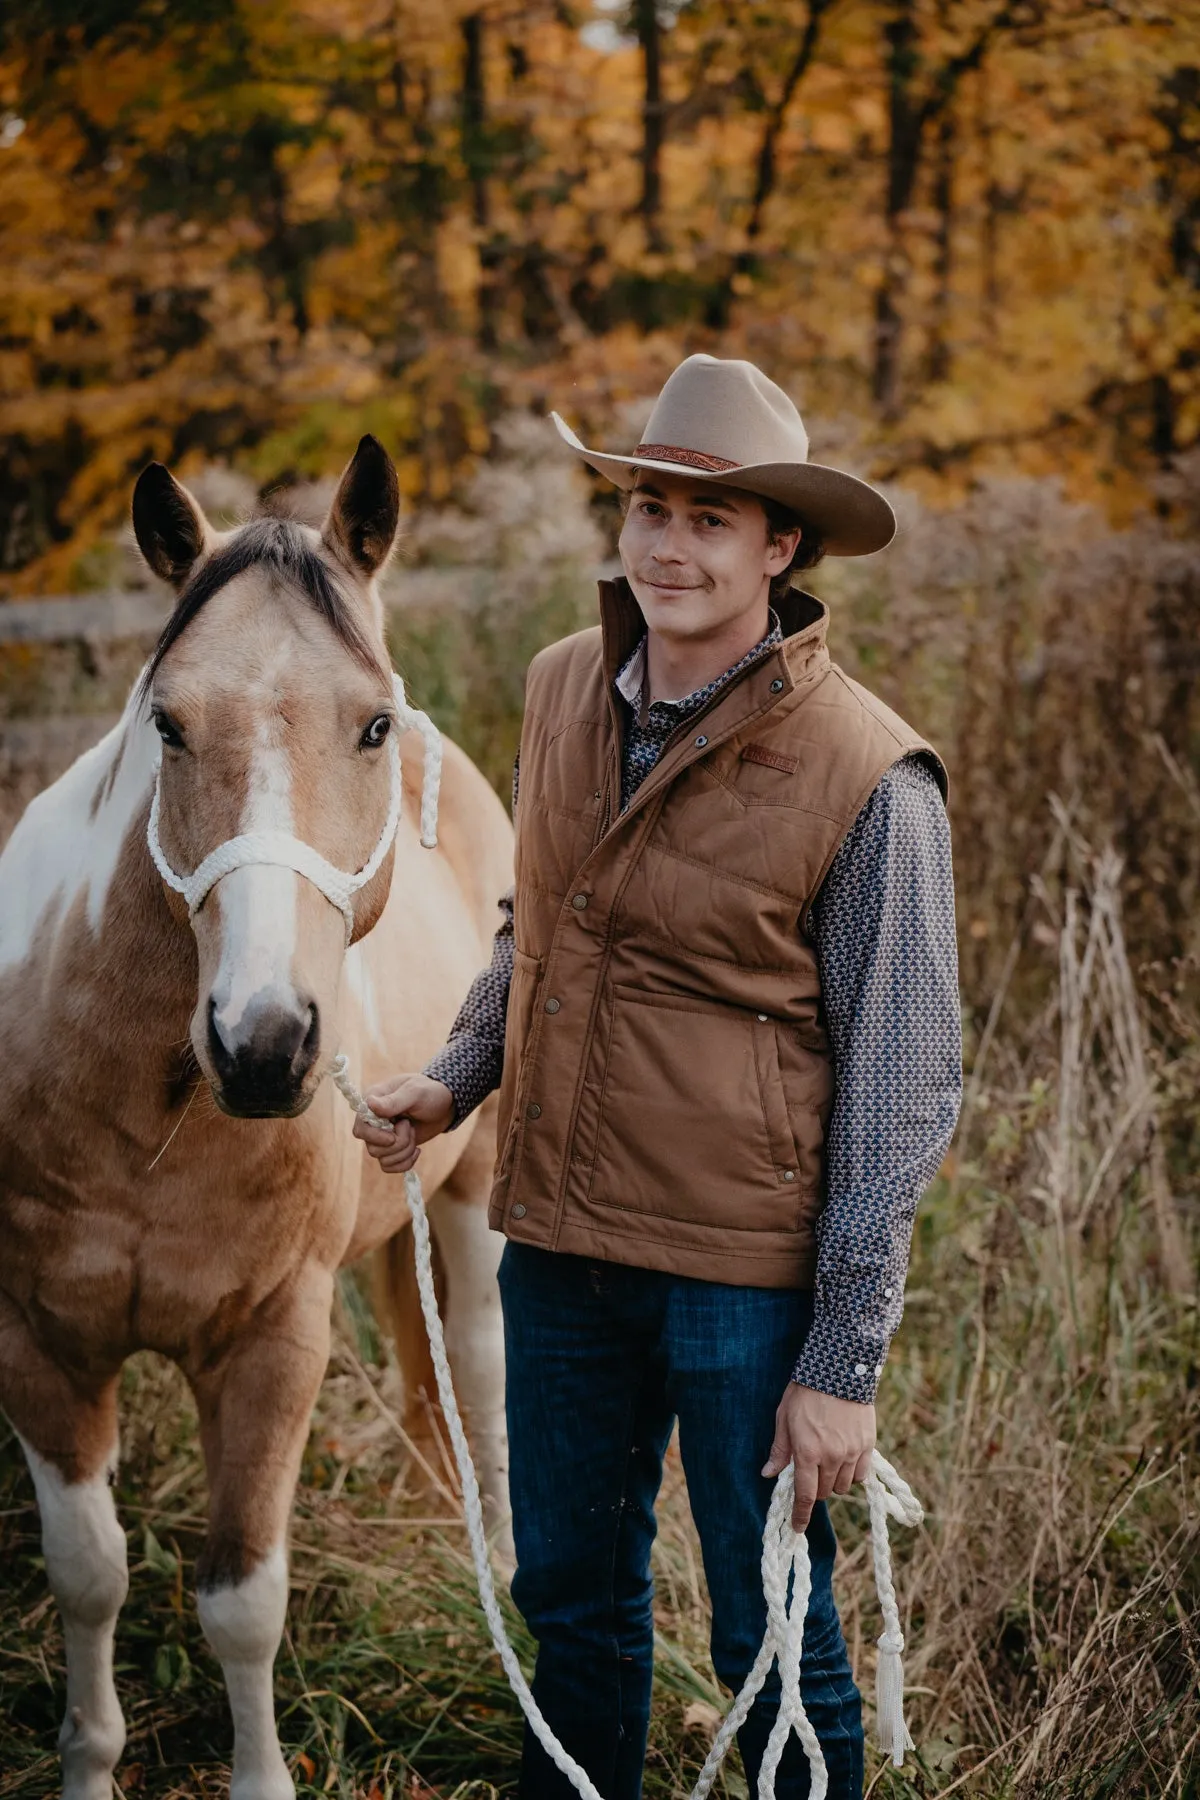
(279, 546)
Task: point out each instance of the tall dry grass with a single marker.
(1043, 1392)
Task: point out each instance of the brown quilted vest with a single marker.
(667, 1075)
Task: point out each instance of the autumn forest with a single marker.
(967, 233)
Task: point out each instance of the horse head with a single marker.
(271, 691)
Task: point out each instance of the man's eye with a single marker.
(167, 729)
(712, 519)
(376, 731)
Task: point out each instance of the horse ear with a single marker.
(170, 528)
(361, 527)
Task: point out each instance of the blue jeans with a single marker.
(601, 1361)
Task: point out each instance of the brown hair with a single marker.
(809, 551)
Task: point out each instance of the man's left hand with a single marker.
(828, 1440)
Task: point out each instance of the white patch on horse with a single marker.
(258, 903)
(84, 1548)
(361, 983)
(243, 1624)
(67, 842)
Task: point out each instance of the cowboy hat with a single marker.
(728, 422)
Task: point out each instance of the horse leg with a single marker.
(470, 1254)
(69, 1436)
(254, 1406)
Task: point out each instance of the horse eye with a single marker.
(376, 731)
(167, 729)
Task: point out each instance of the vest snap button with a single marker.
(579, 902)
(518, 1211)
(777, 686)
(701, 741)
(553, 1006)
(533, 1110)
(789, 1174)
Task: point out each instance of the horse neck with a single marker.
(97, 978)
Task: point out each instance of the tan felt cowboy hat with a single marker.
(727, 421)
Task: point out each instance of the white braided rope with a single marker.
(280, 849)
(784, 1554)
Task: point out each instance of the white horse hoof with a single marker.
(263, 1784)
(90, 1751)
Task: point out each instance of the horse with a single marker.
(133, 1217)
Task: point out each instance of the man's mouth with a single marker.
(671, 587)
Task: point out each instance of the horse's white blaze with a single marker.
(243, 1624)
(258, 905)
(84, 1548)
(66, 843)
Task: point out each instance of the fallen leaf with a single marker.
(700, 1716)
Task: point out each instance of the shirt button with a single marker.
(518, 1211)
(789, 1174)
(553, 1006)
(533, 1110)
(701, 741)
(879, 1370)
(859, 1368)
(777, 686)
(579, 901)
(888, 1292)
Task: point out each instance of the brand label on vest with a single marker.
(770, 759)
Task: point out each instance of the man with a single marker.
(723, 1015)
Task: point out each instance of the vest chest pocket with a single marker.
(693, 1123)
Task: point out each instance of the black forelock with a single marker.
(280, 547)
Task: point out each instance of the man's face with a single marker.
(698, 557)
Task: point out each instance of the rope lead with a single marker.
(784, 1556)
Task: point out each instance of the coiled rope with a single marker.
(784, 1556)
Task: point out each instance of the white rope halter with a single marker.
(784, 1556)
(279, 849)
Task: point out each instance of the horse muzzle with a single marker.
(261, 1069)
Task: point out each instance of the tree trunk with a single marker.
(904, 151)
(475, 160)
(938, 365)
(648, 27)
(767, 168)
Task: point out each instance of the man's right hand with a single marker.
(421, 1108)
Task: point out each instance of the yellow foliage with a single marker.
(245, 236)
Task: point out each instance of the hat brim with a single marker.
(852, 517)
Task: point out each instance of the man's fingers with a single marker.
(807, 1480)
(862, 1467)
(372, 1134)
(391, 1098)
(845, 1478)
(780, 1454)
(399, 1161)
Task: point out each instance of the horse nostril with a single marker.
(306, 1055)
(218, 1049)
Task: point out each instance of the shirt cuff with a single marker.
(471, 1068)
(841, 1359)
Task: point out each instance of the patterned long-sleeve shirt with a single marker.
(883, 926)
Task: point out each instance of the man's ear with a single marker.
(171, 530)
(361, 527)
